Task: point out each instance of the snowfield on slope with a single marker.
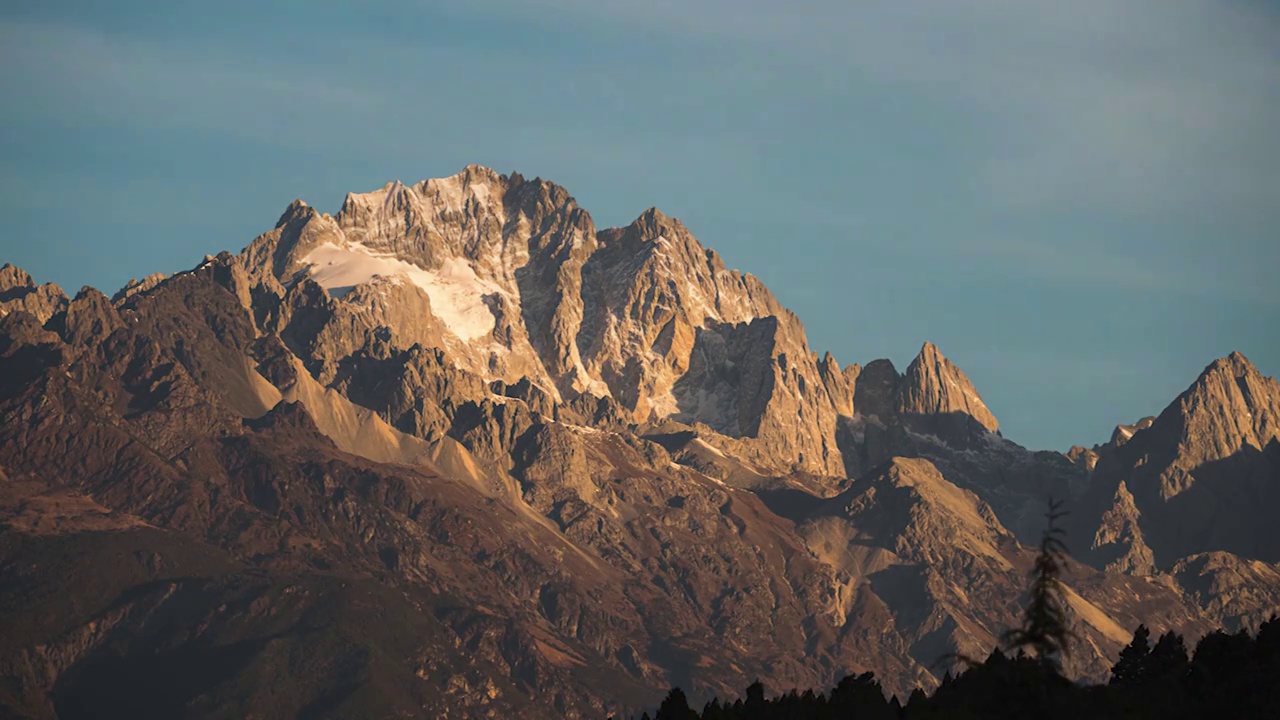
(457, 294)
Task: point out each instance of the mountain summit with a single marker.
(1229, 407)
(1205, 472)
(932, 385)
(518, 285)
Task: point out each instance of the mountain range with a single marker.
(456, 452)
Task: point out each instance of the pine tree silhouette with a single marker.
(1131, 668)
(714, 711)
(754, 707)
(676, 707)
(1168, 662)
(861, 697)
(1044, 624)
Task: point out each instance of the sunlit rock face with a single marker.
(511, 279)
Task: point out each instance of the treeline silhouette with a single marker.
(1230, 675)
(1234, 676)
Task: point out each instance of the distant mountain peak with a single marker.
(1123, 433)
(933, 385)
(1209, 444)
(295, 211)
(1228, 384)
(18, 291)
(12, 276)
(654, 216)
(1229, 406)
(517, 283)
(650, 228)
(1234, 365)
(1237, 359)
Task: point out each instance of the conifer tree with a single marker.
(1044, 624)
(1168, 661)
(1131, 668)
(755, 697)
(917, 699)
(676, 707)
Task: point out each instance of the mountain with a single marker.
(454, 451)
(1203, 475)
(521, 286)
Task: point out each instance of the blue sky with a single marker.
(1078, 202)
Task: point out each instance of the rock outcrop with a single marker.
(1118, 543)
(1234, 591)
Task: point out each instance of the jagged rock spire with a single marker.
(933, 385)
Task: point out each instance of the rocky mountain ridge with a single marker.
(455, 450)
(1195, 477)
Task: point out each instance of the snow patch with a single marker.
(456, 293)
